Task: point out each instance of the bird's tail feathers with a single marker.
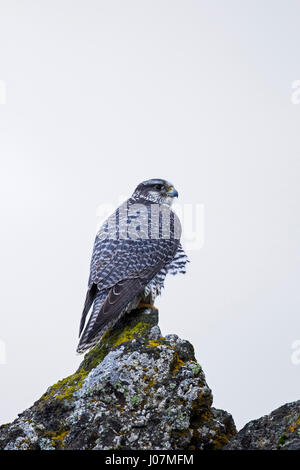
(90, 297)
(109, 305)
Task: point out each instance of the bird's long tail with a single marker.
(109, 306)
(97, 299)
(90, 297)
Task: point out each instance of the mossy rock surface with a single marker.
(135, 390)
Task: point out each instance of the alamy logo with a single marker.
(2, 92)
(295, 356)
(295, 96)
(150, 222)
(2, 352)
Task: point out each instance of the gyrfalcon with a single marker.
(134, 250)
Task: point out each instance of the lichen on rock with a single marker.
(135, 390)
(280, 430)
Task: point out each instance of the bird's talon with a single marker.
(143, 305)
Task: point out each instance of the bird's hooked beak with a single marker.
(172, 192)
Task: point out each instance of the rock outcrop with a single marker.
(279, 430)
(134, 390)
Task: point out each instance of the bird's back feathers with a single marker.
(122, 267)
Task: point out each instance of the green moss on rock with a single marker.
(137, 325)
(134, 390)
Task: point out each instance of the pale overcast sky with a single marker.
(101, 95)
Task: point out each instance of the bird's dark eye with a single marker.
(158, 186)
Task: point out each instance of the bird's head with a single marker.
(156, 190)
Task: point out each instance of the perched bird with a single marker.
(134, 250)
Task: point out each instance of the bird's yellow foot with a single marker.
(143, 305)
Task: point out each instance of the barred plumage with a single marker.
(134, 250)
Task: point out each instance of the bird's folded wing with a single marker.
(134, 263)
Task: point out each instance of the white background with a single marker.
(104, 94)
